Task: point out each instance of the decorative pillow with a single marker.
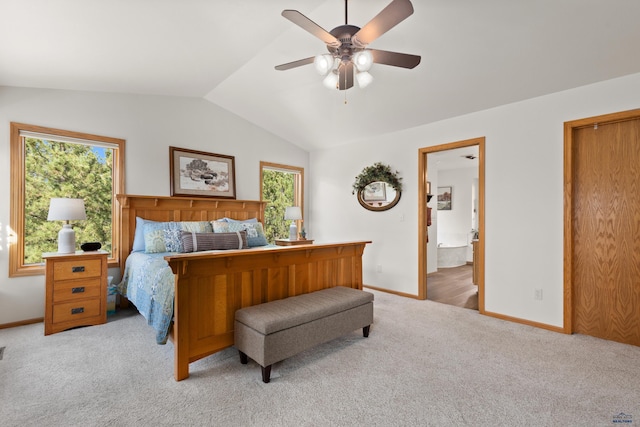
(197, 226)
(154, 233)
(250, 220)
(194, 242)
(138, 237)
(165, 236)
(255, 231)
(173, 240)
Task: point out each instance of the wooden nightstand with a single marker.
(287, 242)
(76, 290)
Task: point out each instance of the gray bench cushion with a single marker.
(282, 314)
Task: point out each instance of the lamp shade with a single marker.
(363, 60)
(323, 63)
(64, 209)
(364, 79)
(331, 81)
(293, 213)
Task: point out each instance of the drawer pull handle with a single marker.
(77, 290)
(77, 269)
(77, 310)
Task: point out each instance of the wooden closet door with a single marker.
(606, 231)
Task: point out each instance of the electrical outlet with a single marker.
(538, 294)
(379, 268)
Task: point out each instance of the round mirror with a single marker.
(378, 196)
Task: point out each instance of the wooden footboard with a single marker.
(211, 287)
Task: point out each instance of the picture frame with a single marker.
(201, 174)
(375, 192)
(445, 196)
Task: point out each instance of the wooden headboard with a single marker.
(159, 208)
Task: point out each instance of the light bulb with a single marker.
(323, 64)
(363, 60)
(364, 79)
(331, 81)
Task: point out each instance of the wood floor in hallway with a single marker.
(453, 286)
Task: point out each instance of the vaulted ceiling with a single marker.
(475, 55)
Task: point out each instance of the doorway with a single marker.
(602, 227)
(427, 241)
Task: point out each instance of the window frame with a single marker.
(298, 185)
(17, 267)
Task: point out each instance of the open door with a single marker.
(423, 230)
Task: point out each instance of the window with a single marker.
(48, 163)
(282, 186)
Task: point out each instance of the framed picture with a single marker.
(196, 173)
(375, 192)
(444, 198)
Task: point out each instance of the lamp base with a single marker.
(66, 240)
(293, 231)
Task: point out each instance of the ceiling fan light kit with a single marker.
(331, 81)
(363, 60)
(324, 63)
(347, 45)
(364, 79)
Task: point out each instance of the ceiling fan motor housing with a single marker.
(346, 49)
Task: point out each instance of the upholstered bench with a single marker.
(276, 330)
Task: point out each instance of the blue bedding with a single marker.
(148, 283)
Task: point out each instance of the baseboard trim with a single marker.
(552, 328)
(401, 294)
(22, 323)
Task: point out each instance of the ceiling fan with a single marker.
(347, 45)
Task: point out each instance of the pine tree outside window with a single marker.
(281, 186)
(48, 163)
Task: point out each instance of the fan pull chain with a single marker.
(345, 84)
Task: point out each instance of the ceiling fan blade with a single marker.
(294, 64)
(307, 24)
(395, 12)
(345, 77)
(395, 59)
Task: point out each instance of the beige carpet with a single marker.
(423, 364)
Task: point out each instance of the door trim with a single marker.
(422, 213)
(569, 127)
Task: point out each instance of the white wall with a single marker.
(454, 226)
(524, 196)
(149, 124)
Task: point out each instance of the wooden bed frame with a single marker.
(211, 286)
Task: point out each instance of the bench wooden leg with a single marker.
(266, 374)
(365, 331)
(243, 358)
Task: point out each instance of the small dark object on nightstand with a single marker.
(91, 246)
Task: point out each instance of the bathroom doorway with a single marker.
(451, 249)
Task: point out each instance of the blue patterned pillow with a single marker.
(173, 240)
(196, 226)
(165, 236)
(138, 237)
(154, 233)
(250, 220)
(255, 231)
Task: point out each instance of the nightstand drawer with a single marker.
(77, 269)
(72, 290)
(70, 311)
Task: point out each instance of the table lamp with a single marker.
(295, 214)
(65, 209)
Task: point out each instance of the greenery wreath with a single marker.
(377, 172)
